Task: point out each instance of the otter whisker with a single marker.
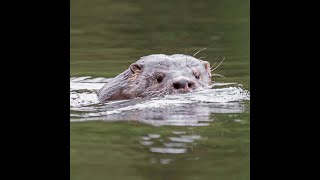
(219, 75)
(219, 64)
(165, 91)
(198, 51)
(213, 65)
(152, 93)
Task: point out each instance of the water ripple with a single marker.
(191, 109)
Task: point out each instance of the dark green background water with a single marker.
(107, 36)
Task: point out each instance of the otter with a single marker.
(156, 75)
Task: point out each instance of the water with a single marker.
(201, 135)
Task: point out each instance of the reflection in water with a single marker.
(174, 143)
(168, 150)
(192, 109)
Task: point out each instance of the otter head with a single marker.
(159, 74)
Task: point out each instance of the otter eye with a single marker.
(197, 76)
(159, 79)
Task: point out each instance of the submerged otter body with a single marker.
(156, 75)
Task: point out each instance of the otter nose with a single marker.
(183, 84)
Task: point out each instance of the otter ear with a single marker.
(135, 68)
(207, 66)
